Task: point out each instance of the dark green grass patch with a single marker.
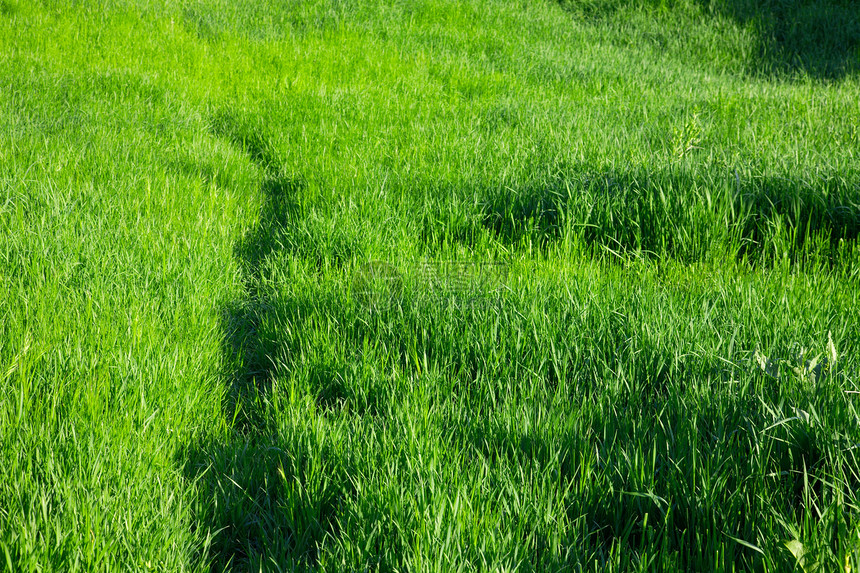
(677, 214)
(427, 286)
(819, 38)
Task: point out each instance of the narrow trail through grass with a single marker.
(474, 286)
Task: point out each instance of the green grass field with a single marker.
(429, 285)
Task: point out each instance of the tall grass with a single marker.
(426, 286)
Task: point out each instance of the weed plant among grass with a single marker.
(414, 286)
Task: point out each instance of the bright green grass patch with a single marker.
(198, 373)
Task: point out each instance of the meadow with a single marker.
(317, 285)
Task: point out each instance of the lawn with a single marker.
(429, 285)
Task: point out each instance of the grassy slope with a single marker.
(190, 375)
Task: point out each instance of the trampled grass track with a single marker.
(191, 379)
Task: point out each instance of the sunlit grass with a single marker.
(427, 286)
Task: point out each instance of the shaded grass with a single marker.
(681, 215)
(640, 433)
(191, 193)
(614, 341)
(817, 38)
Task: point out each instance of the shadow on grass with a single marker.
(249, 354)
(683, 216)
(263, 500)
(818, 37)
(272, 497)
(658, 468)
